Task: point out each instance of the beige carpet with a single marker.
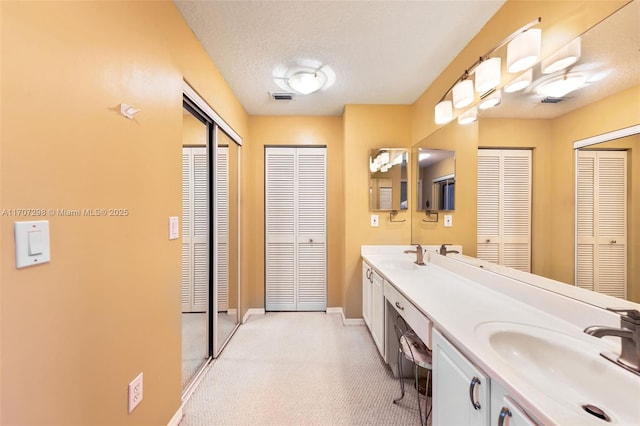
(302, 368)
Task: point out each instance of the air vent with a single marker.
(284, 96)
(551, 100)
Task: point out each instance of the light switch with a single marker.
(173, 228)
(32, 243)
(35, 243)
(448, 220)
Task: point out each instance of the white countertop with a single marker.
(458, 302)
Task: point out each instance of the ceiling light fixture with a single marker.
(488, 76)
(306, 83)
(524, 50)
(563, 58)
(520, 82)
(561, 85)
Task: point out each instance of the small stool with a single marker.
(411, 347)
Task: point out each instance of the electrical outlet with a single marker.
(448, 220)
(135, 392)
(374, 220)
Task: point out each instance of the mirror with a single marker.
(388, 179)
(549, 126)
(436, 180)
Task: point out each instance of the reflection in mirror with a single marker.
(227, 227)
(196, 334)
(436, 179)
(388, 179)
(606, 258)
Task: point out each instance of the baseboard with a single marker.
(346, 321)
(175, 420)
(252, 311)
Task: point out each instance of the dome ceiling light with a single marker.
(561, 85)
(305, 78)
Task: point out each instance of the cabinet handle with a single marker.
(311, 240)
(399, 306)
(368, 273)
(472, 386)
(505, 412)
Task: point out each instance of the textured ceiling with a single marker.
(382, 52)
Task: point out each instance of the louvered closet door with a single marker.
(222, 203)
(601, 261)
(295, 229)
(195, 275)
(504, 207)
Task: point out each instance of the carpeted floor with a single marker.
(300, 368)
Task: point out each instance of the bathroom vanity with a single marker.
(505, 352)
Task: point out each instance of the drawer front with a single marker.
(417, 321)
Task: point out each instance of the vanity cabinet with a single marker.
(367, 282)
(373, 304)
(461, 392)
(505, 410)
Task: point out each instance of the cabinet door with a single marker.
(461, 392)
(505, 410)
(366, 294)
(377, 312)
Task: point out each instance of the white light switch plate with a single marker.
(374, 220)
(174, 225)
(448, 220)
(32, 243)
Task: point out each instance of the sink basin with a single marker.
(567, 369)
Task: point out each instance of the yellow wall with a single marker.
(77, 330)
(283, 131)
(367, 127)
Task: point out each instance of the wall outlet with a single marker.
(135, 392)
(448, 220)
(374, 220)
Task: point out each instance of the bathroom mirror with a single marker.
(388, 179)
(548, 126)
(436, 179)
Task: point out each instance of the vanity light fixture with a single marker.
(444, 112)
(563, 58)
(463, 93)
(491, 100)
(520, 82)
(524, 50)
(468, 117)
(488, 73)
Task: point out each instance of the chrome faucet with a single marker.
(419, 254)
(629, 333)
(444, 251)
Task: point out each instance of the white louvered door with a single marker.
(504, 207)
(601, 255)
(195, 256)
(222, 204)
(295, 229)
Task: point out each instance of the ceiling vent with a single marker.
(283, 96)
(551, 100)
